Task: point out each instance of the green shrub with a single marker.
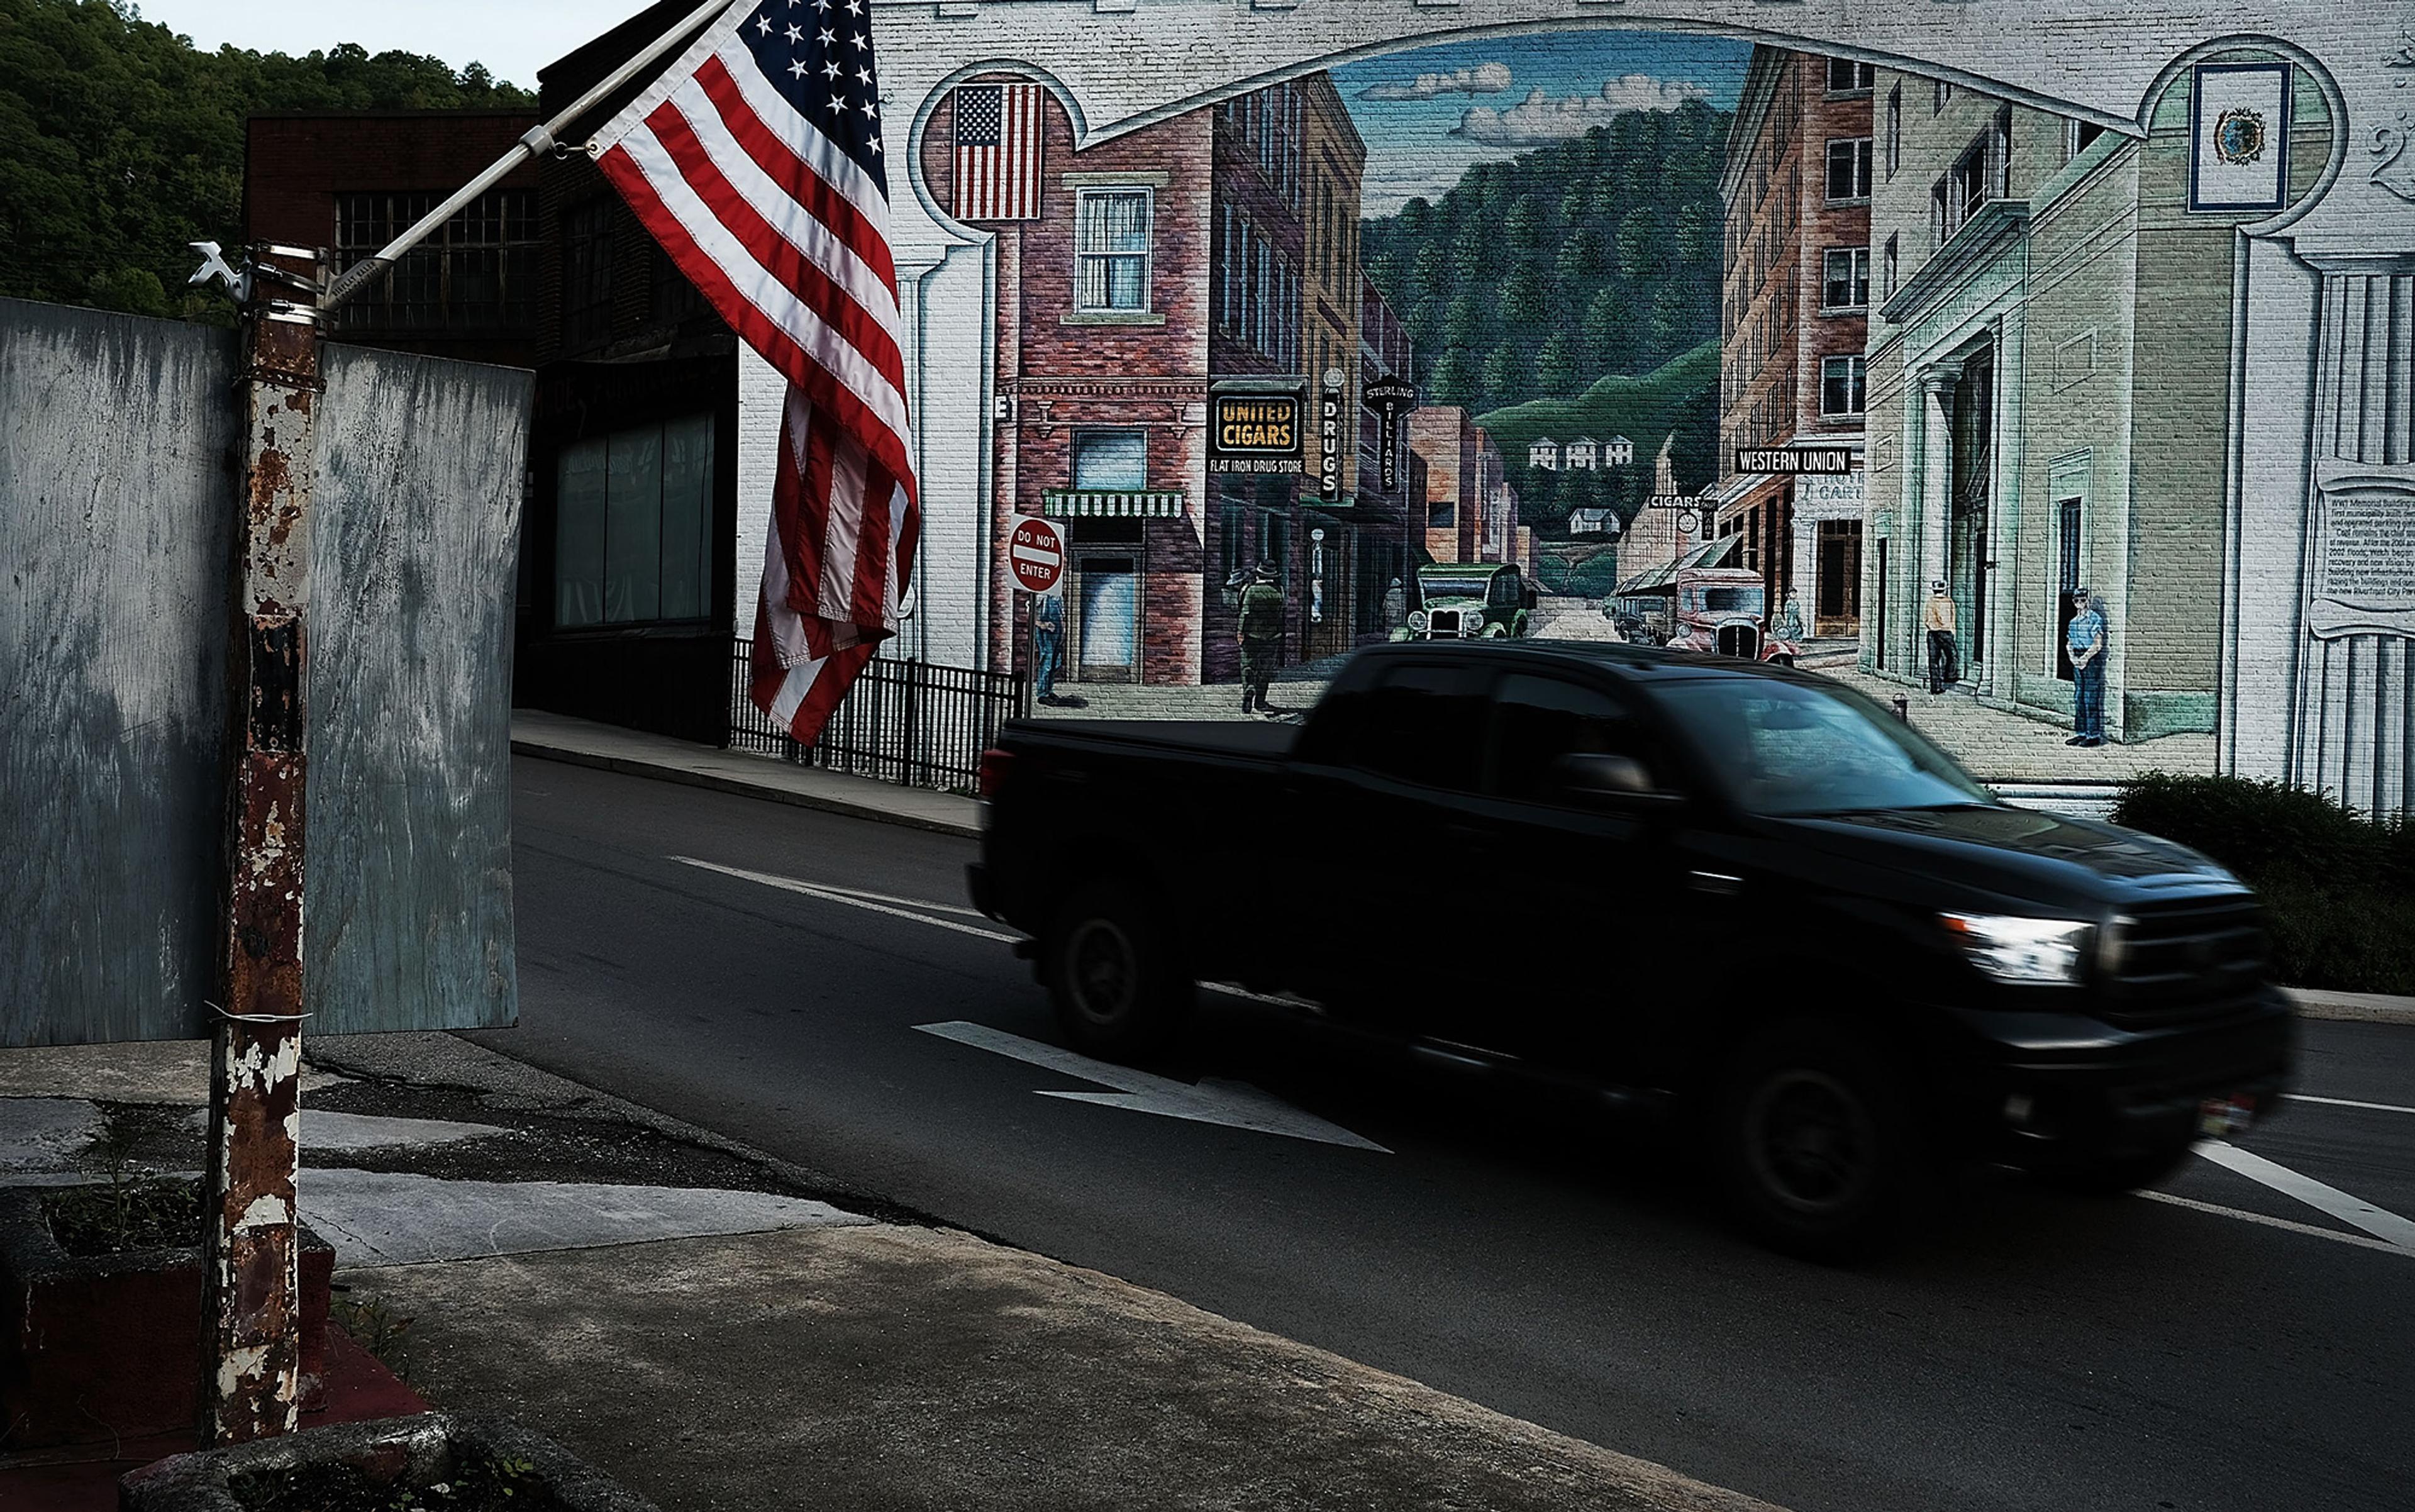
(2340, 888)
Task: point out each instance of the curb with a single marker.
(715, 782)
(2353, 1008)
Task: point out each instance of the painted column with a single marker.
(1933, 478)
(2354, 725)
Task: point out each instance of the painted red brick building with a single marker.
(352, 179)
(1795, 303)
(1152, 268)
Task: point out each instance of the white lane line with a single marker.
(2307, 1229)
(2354, 1211)
(2344, 1102)
(810, 889)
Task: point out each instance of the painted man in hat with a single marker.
(2086, 641)
(1937, 618)
(1261, 635)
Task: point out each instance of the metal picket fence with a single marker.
(917, 724)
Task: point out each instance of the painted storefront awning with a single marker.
(1112, 503)
(1663, 579)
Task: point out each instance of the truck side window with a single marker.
(1537, 720)
(1423, 724)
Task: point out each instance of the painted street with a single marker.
(816, 987)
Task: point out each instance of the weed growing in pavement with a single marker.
(132, 1212)
(373, 1325)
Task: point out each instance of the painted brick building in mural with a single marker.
(2043, 416)
(1794, 299)
(1218, 247)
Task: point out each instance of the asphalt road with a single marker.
(2026, 1350)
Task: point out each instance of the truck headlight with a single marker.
(2024, 950)
(1417, 618)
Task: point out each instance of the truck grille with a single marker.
(2181, 959)
(1445, 623)
(1739, 641)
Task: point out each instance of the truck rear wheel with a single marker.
(1118, 991)
(1816, 1141)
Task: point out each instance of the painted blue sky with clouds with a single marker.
(1431, 114)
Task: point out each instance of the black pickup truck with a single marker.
(1739, 894)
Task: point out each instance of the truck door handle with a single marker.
(1719, 884)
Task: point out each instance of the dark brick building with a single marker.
(350, 181)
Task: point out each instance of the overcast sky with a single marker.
(512, 37)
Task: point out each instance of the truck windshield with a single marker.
(1788, 748)
(1737, 599)
(1453, 587)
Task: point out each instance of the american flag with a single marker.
(756, 161)
(998, 152)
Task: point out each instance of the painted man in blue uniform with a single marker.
(2085, 640)
(1048, 641)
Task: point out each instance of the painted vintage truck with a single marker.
(1723, 611)
(1470, 601)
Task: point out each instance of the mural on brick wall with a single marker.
(1744, 348)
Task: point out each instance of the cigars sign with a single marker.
(1256, 428)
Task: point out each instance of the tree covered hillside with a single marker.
(1534, 278)
(120, 142)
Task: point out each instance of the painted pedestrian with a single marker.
(1047, 643)
(1261, 636)
(1395, 607)
(2086, 640)
(1937, 618)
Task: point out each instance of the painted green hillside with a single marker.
(1678, 398)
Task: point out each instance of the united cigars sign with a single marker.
(1831, 461)
(1257, 427)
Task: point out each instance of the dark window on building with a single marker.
(1895, 130)
(1841, 385)
(2066, 598)
(1848, 169)
(477, 273)
(1845, 76)
(1112, 249)
(633, 526)
(1424, 724)
(2081, 135)
(1945, 92)
(1891, 271)
(1845, 278)
(674, 298)
(587, 272)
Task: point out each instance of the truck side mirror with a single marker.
(1602, 781)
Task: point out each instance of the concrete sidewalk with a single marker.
(584, 742)
(891, 1367)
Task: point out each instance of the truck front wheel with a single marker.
(1816, 1139)
(1117, 992)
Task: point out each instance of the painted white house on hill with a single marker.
(1544, 454)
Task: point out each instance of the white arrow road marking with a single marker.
(1233, 1105)
(873, 902)
(2307, 1229)
(2386, 1226)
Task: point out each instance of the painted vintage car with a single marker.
(1723, 611)
(1470, 601)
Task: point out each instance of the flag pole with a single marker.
(539, 140)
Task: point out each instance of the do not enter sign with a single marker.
(1037, 553)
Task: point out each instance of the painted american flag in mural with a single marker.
(998, 152)
(757, 162)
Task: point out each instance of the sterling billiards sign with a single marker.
(1257, 427)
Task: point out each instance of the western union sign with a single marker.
(1256, 430)
(1795, 460)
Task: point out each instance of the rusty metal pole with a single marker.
(251, 1313)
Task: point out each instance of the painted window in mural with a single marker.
(1113, 251)
(1841, 385)
(1848, 169)
(1111, 459)
(1845, 280)
(633, 525)
(1849, 76)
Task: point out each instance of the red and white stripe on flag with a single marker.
(756, 161)
(999, 151)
